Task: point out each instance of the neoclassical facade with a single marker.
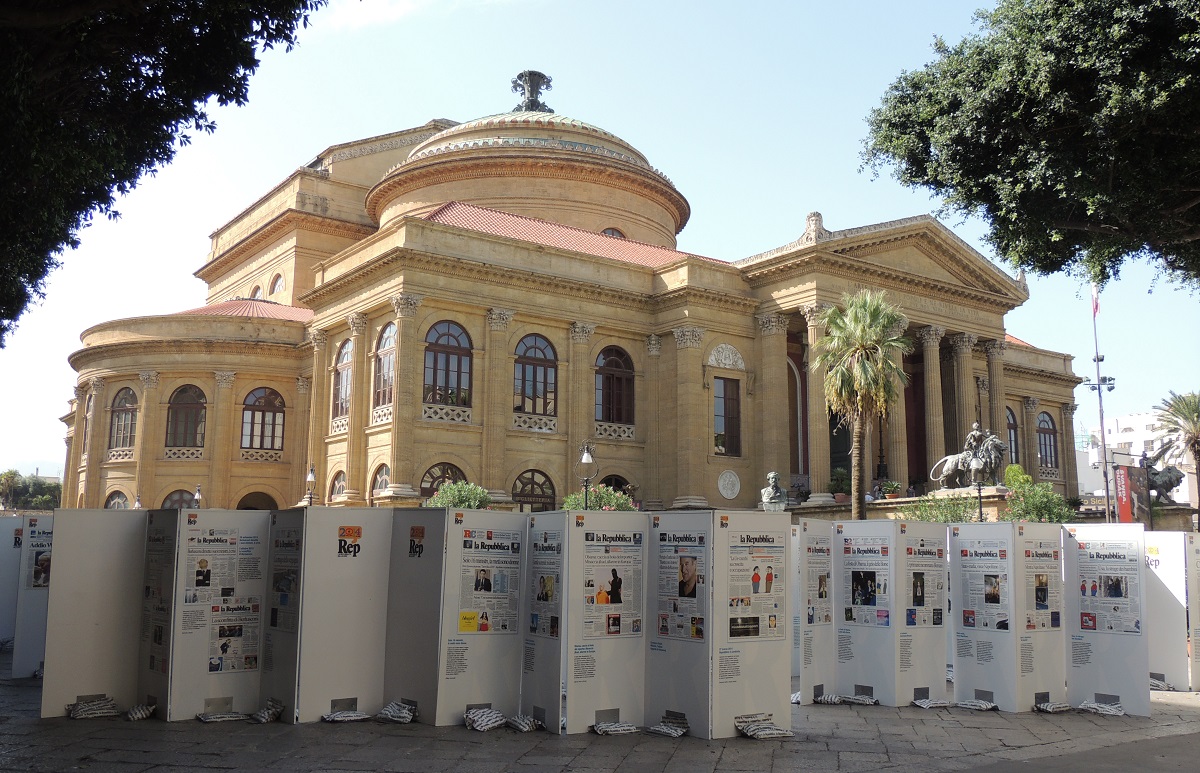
(478, 300)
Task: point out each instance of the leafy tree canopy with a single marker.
(600, 497)
(460, 493)
(1071, 126)
(27, 492)
(97, 93)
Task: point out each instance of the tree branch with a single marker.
(43, 18)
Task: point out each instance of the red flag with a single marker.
(1095, 299)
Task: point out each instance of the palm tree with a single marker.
(1179, 418)
(860, 352)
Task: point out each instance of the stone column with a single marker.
(408, 397)
(692, 419)
(935, 429)
(983, 389)
(896, 431)
(223, 420)
(964, 384)
(97, 443)
(75, 449)
(996, 403)
(296, 431)
(360, 412)
(1066, 453)
(318, 422)
(1029, 435)
(818, 412)
(772, 393)
(580, 409)
(499, 397)
(650, 422)
(151, 434)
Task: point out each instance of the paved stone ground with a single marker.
(843, 738)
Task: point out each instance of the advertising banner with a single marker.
(1133, 494)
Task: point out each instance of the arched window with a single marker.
(343, 370)
(256, 293)
(381, 480)
(534, 491)
(277, 284)
(614, 386)
(614, 482)
(122, 429)
(262, 420)
(447, 365)
(116, 501)
(438, 474)
(613, 232)
(385, 366)
(338, 487)
(1014, 448)
(179, 499)
(185, 418)
(1047, 436)
(535, 377)
(87, 422)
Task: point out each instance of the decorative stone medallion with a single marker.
(729, 484)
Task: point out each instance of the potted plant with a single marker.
(890, 488)
(839, 484)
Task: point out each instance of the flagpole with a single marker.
(1099, 358)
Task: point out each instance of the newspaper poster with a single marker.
(285, 580)
(818, 599)
(37, 544)
(925, 582)
(212, 564)
(1108, 585)
(757, 563)
(866, 569)
(682, 584)
(490, 581)
(612, 583)
(985, 583)
(1043, 585)
(235, 634)
(546, 562)
(158, 594)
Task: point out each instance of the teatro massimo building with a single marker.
(477, 300)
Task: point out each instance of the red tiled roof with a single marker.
(529, 229)
(1011, 339)
(255, 309)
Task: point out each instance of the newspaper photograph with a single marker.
(235, 634)
(1043, 585)
(818, 598)
(612, 583)
(490, 581)
(212, 563)
(1108, 585)
(546, 560)
(38, 544)
(682, 584)
(866, 567)
(925, 585)
(985, 587)
(285, 581)
(757, 566)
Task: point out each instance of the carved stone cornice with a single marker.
(581, 332)
(318, 338)
(982, 384)
(684, 297)
(358, 323)
(653, 345)
(303, 385)
(224, 378)
(963, 343)
(412, 137)
(994, 349)
(688, 337)
(405, 304)
(149, 379)
(499, 319)
(772, 324)
(931, 335)
(1069, 380)
(1031, 404)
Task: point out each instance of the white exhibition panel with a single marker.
(459, 574)
(889, 605)
(1193, 575)
(10, 570)
(93, 622)
(588, 659)
(281, 630)
(1008, 609)
(203, 610)
(1107, 653)
(33, 594)
(813, 655)
(1166, 622)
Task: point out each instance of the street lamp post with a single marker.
(196, 497)
(979, 490)
(586, 468)
(311, 481)
(1100, 386)
(137, 501)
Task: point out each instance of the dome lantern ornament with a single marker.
(531, 83)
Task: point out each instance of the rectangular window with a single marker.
(727, 417)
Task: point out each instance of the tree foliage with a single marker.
(940, 509)
(98, 93)
(1071, 126)
(460, 493)
(1037, 502)
(860, 354)
(600, 497)
(27, 492)
(1179, 419)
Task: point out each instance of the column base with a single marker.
(689, 502)
(818, 499)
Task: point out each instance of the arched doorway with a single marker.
(257, 501)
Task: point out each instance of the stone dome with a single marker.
(537, 164)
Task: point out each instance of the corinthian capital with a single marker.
(772, 324)
(1068, 410)
(358, 323)
(688, 337)
(1031, 404)
(149, 379)
(813, 311)
(931, 336)
(994, 349)
(97, 386)
(963, 343)
(581, 332)
(653, 345)
(982, 384)
(225, 378)
(318, 338)
(406, 304)
(498, 319)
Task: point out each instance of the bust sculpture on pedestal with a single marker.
(773, 497)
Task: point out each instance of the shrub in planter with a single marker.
(468, 496)
(600, 497)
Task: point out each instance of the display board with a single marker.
(585, 657)
(11, 542)
(1193, 577)
(889, 606)
(202, 615)
(96, 597)
(454, 611)
(33, 595)
(813, 656)
(1166, 606)
(1107, 651)
(1008, 613)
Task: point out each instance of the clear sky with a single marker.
(755, 111)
